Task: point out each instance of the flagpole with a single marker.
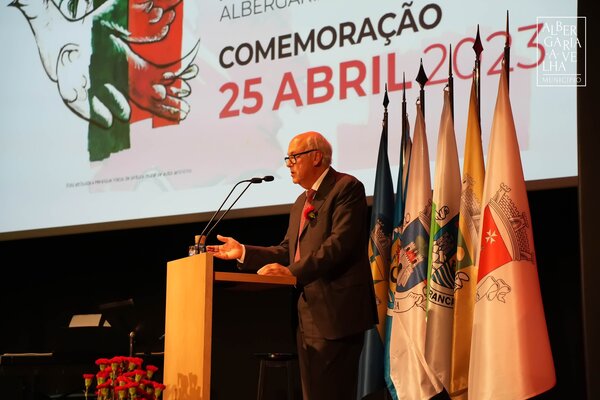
(451, 85)
(507, 53)
(404, 141)
(422, 80)
(478, 48)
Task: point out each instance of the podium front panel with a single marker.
(188, 328)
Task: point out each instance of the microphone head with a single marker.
(256, 180)
(268, 178)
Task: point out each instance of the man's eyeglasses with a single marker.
(292, 157)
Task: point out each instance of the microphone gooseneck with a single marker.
(203, 236)
(221, 206)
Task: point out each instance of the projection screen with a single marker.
(125, 113)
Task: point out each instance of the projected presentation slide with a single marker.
(124, 110)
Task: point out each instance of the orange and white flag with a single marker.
(510, 350)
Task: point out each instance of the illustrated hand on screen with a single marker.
(153, 18)
(93, 59)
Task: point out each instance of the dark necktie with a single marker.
(307, 203)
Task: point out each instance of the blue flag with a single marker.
(401, 184)
(371, 360)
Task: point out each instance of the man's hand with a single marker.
(274, 269)
(231, 249)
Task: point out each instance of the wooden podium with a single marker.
(188, 323)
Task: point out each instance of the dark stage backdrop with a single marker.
(46, 280)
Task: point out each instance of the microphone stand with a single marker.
(131, 342)
(202, 243)
(219, 209)
(202, 237)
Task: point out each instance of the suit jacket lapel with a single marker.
(295, 222)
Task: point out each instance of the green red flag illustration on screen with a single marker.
(115, 62)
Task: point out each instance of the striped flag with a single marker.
(466, 272)
(371, 359)
(410, 374)
(442, 249)
(510, 349)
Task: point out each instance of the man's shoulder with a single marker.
(345, 177)
(345, 182)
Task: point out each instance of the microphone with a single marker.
(223, 203)
(201, 242)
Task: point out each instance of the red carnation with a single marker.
(310, 212)
(150, 370)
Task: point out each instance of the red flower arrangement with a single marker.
(310, 212)
(122, 378)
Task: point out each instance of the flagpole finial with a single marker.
(506, 60)
(478, 48)
(450, 62)
(507, 43)
(404, 115)
(422, 80)
(404, 86)
(386, 99)
(450, 84)
(403, 101)
(421, 76)
(477, 45)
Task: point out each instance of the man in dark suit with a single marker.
(325, 248)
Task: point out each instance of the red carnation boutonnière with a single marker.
(310, 213)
